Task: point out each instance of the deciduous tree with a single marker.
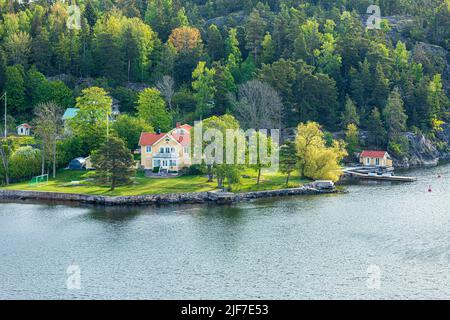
(316, 160)
(259, 106)
(129, 129)
(185, 38)
(152, 109)
(167, 88)
(90, 123)
(48, 127)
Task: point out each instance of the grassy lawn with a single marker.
(269, 181)
(79, 182)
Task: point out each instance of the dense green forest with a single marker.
(269, 63)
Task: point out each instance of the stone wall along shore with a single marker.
(157, 199)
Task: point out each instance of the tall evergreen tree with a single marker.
(394, 114)
(377, 132)
(15, 86)
(113, 162)
(288, 159)
(254, 33)
(215, 43)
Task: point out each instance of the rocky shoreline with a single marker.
(423, 152)
(157, 199)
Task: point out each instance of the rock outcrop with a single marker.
(421, 153)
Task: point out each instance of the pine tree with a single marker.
(113, 163)
(215, 43)
(268, 49)
(90, 13)
(15, 86)
(2, 70)
(288, 159)
(377, 132)
(350, 114)
(394, 114)
(204, 88)
(379, 88)
(41, 52)
(254, 33)
(107, 49)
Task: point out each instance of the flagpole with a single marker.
(6, 130)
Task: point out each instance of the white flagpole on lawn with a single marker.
(6, 130)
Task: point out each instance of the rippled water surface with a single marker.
(290, 248)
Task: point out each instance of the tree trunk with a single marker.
(259, 175)
(7, 173)
(54, 159)
(113, 176)
(210, 174)
(129, 67)
(5, 164)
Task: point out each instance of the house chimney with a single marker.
(158, 131)
(178, 125)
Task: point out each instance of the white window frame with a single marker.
(148, 149)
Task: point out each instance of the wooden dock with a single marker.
(376, 177)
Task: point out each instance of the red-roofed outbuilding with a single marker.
(375, 158)
(24, 129)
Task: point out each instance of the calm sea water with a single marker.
(291, 248)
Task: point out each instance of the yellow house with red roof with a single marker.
(168, 151)
(374, 158)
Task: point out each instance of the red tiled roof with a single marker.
(148, 139)
(186, 127)
(372, 154)
(25, 125)
(183, 139)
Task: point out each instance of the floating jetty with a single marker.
(375, 174)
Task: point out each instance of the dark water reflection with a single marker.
(303, 247)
